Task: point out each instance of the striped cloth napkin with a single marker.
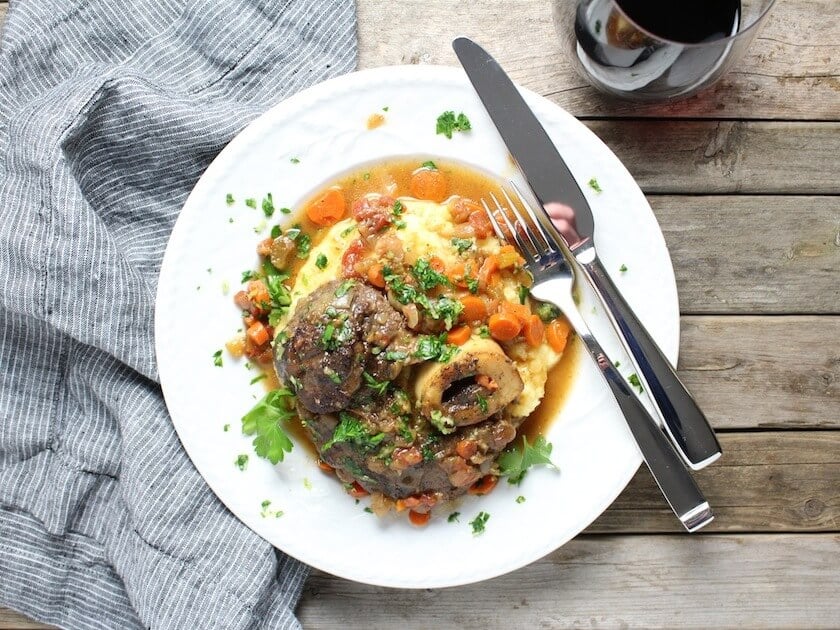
(109, 113)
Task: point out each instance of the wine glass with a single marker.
(654, 50)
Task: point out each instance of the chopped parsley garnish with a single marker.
(472, 285)
(395, 355)
(635, 382)
(429, 164)
(251, 202)
(285, 210)
(366, 176)
(334, 336)
(453, 518)
(263, 422)
(385, 109)
(348, 231)
(426, 276)
(279, 292)
(368, 510)
(275, 231)
(623, 268)
(479, 522)
(462, 244)
(321, 261)
(427, 448)
(448, 122)
(594, 185)
(547, 312)
(344, 288)
(441, 422)
(248, 275)
(515, 462)
(226, 428)
(265, 512)
(520, 499)
(617, 363)
(294, 160)
(378, 386)
(350, 429)
(444, 308)
(403, 428)
(333, 376)
(398, 208)
(523, 292)
(229, 200)
(435, 348)
(304, 244)
(268, 205)
(241, 461)
(482, 402)
(217, 358)
(258, 378)
(483, 332)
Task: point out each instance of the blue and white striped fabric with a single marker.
(109, 112)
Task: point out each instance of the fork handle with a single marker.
(684, 421)
(666, 466)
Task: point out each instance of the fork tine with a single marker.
(537, 245)
(496, 227)
(550, 239)
(525, 247)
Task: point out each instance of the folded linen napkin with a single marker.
(109, 113)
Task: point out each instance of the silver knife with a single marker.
(552, 182)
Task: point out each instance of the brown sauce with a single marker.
(393, 177)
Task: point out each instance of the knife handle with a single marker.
(684, 421)
(673, 478)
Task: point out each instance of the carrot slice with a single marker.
(520, 311)
(534, 331)
(325, 466)
(459, 336)
(557, 334)
(257, 333)
(504, 327)
(357, 491)
(428, 184)
(376, 275)
(475, 310)
(483, 485)
(327, 209)
(437, 264)
(419, 518)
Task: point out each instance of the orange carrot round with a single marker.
(428, 184)
(504, 326)
(437, 264)
(419, 518)
(475, 310)
(557, 334)
(459, 336)
(327, 209)
(376, 276)
(534, 331)
(483, 485)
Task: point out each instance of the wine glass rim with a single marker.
(722, 40)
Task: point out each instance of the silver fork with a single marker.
(553, 283)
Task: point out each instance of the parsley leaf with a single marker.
(453, 518)
(251, 202)
(523, 292)
(435, 348)
(426, 276)
(344, 288)
(263, 421)
(479, 522)
(472, 285)
(258, 378)
(395, 355)
(248, 275)
(229, 200)
(378, 386)
(482, 403)
(447, 122)
(350, 429)
(321, 261)
(623, 268)
(520, 499)
(594, 185)
(635, 382)
(268, 205)
(484, 332)
(515, 462)
(442, 423)
(294, 160)
(217, 358)
(462, 244)
(241, 461)
(547, 312)
(429, 164)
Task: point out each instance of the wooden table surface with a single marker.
(745, 182)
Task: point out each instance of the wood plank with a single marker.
(672, 156)
(715, 581)
(753, 254)
(763, 372)
(764, 482)
(788, 71)
(10, 619)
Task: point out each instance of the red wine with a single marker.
(684, 22)
(648, 49)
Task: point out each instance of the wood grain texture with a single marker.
(712, 581)
(789, 72)
(673, 156)
(753, 254)
(763, 372)
(10, 619)
(764, 482)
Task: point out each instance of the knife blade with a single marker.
(553, 183)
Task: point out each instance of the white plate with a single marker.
(325, 127)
